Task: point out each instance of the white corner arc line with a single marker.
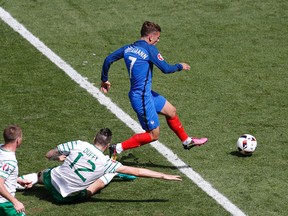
(120, 114)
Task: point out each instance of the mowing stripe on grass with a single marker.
(119, 113)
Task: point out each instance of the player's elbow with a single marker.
(108, 60)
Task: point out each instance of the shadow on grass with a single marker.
(95, 199)
(42, 194)
(131, 160)
(38, 191)
(239, 154)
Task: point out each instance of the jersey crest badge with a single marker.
(5, 167)
(159, 56)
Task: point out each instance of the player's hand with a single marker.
(19, 206)
(25, 183)
(173, 177)
(61, 158)
(105, 86)
(185, 66)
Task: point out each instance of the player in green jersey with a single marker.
(9, 205)
(85, 169)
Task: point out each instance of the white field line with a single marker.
(120, 114)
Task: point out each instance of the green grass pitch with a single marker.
(237, 84)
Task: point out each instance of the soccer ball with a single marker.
(246, 144)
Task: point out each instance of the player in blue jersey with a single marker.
(139, 58)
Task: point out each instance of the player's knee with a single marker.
(171, 112)
(155, 137)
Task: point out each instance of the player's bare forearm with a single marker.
(5, 193)
(142, 172)
(94, 187)
(153, 174)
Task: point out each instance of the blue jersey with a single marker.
(139, 59)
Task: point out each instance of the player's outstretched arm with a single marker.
(142, 172)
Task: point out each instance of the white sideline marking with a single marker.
(120, 114)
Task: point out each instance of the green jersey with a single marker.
(8, 171)
(83, 165)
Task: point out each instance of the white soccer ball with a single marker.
(246, 144)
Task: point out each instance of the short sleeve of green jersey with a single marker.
(111, 165)
(65, 148)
